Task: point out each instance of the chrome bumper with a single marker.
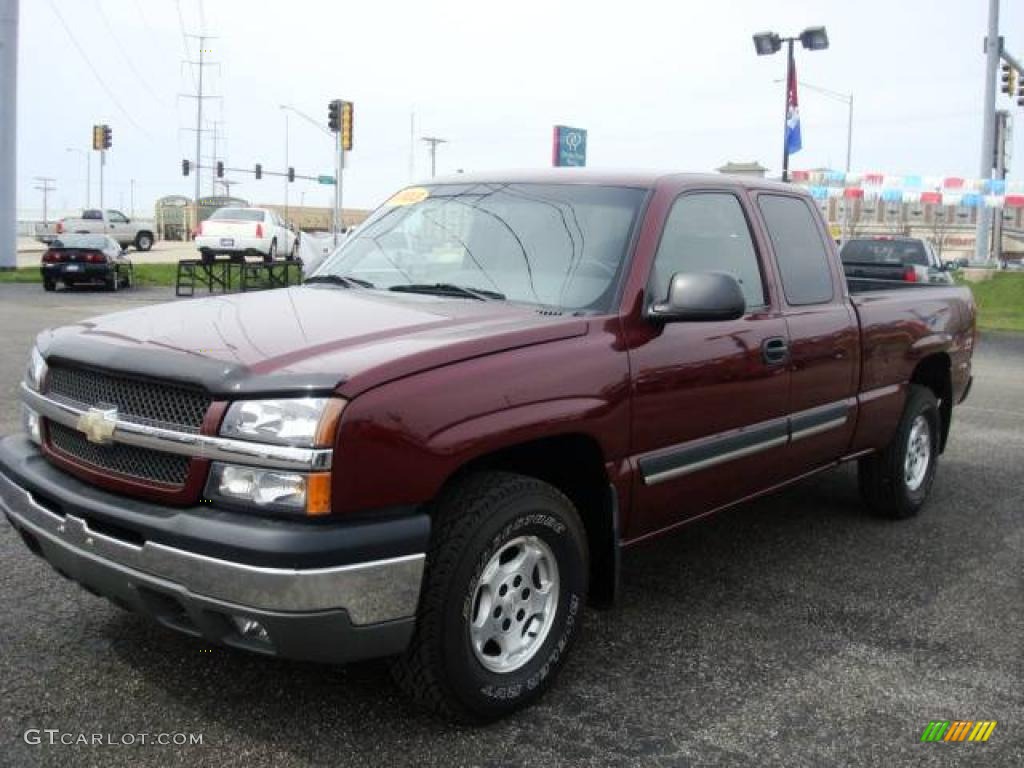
(371, 592)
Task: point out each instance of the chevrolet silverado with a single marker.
(437, 447)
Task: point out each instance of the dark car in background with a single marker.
(85, 259)
(885, 257)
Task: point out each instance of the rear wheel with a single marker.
(503, 595)
(114, 281)
(272, 253)
(895, 482)
(49, 285)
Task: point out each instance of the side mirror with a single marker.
(700, 296)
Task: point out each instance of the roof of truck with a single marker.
(626, 178)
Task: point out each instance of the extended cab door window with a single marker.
(708, 232)
(799, 250)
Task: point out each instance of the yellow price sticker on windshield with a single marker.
(409, 196)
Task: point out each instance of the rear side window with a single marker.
(799, 249)
(708, 232)
(900, 252)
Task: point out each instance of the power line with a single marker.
(96, 73)
(124, 52)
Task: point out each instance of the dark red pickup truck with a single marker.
(436, 448)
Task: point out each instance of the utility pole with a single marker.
(103, 163)
(433, 141)
(46, 186)
(131, 213)
(8, 132)
(199, 96)
(993, 47)
(412, 147)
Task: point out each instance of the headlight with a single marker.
(36, 371)
(271, 489)
(281, 422)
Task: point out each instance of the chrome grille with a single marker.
(143, 402)
(141, 463)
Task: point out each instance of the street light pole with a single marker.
(767, 43)
(785, 112)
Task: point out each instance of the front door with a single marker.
(709, 398)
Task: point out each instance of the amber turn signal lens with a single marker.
(328, 424)
(318, 494)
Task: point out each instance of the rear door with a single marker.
(824, 338)
(709, 398)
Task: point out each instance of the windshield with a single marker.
(553, 245)
(237, 214)
(900, 252)
(96, 242)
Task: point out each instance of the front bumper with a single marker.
(316, 600)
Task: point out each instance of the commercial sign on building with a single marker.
(569, 147)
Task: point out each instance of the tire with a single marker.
(143, 241)
(206, 255)
(272, 253)
(480, 521)
(49, 285)
(892, 482)
(294, 252)
(114, 282)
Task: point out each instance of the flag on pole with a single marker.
(793, 142)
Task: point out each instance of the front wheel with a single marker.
(895, 482)
(502, 600)
(143, 241)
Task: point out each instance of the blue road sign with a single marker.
(569, 146)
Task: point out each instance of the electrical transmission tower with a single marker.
(200, 97)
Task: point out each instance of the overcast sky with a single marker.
(672, 85)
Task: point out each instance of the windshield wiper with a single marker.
(348, 282)
(449, 289)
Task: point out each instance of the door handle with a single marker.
(774, 351)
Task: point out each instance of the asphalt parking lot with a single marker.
(791, 631)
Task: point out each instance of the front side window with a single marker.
(799, 249)
(559, 245)
(708, 232)
(117, 217)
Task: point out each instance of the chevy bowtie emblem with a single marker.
(98, 424)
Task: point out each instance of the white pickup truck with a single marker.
(126, 231)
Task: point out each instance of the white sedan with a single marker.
(238, 232)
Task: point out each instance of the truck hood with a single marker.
(301, 339)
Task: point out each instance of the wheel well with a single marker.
(575, 465)
(935, 372)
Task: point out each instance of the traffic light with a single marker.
(1008, 78)
(291, 174)
(347, 108)
(107, 137)
(334, 115)
(97, 137)
(185, 165)
(259, 171)
(220, 169)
